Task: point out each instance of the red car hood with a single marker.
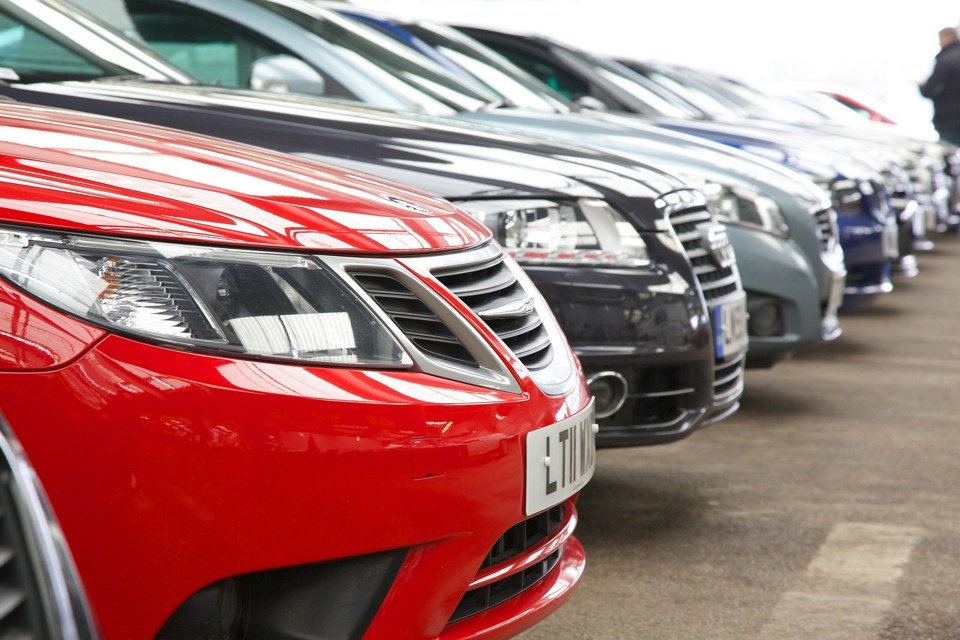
(90, 174)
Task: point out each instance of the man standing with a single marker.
(943, 87)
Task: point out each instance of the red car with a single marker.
(272, 399)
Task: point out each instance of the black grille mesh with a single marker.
(488, 286)
(415, 319)
(515, 541)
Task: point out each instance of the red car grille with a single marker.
(519, 559)
(488, 287)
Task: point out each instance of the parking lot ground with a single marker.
(828, 507)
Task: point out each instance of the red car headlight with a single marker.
(260, 304)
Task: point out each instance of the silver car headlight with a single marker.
(585, 232)
(736, 205)
(260, 304)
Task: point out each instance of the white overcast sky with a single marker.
(883, 48)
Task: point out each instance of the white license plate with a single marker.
(730, 328)
(891, 244)
(835, 296)
(560, 460)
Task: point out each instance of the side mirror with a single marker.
(589, 102)
(285, 74)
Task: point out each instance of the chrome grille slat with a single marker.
(688, 216)
(489, 286)
(716, 283)
(724, 280)
(514, 327)
(485, 283)
(531, 345)
(421, 325)
(827, 227)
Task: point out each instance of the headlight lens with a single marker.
(741, 206)
(586, 232)
(858, 197)
(246, 303)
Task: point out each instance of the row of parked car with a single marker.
(312, 318)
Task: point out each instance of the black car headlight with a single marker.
(261, 304)
(585, 232)
(736, 205)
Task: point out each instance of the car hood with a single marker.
(695, 159)
(455, 160)
(98, 175)
(808, 155)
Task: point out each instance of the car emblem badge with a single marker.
(717, 244)
(406, 204)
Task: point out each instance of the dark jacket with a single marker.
(943, 88)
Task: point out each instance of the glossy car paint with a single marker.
(606, 330)
(641, 334)
(799, 273)
(44, 596)
(806, 321)
(868, 268)
(171, 469)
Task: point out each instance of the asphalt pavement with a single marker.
(828, 507)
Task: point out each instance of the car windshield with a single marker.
(703, 100)
(514, 85)
(39, 43)
(653, 97)
(378, 55)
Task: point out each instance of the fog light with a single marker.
(766, 319)
(609, 390)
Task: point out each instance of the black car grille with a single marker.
(21, 609)
(728, 381)
(827, 229)
(515, 542)
(489, 288)
(715, 281)
(417, 321)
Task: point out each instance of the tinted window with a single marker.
(213, 49)
(34, 57)
(555, 77)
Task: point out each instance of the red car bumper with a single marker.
(171, 471)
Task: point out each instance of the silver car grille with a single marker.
(715, 280)
(827, 229)
(444, 342)
(688, 219)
